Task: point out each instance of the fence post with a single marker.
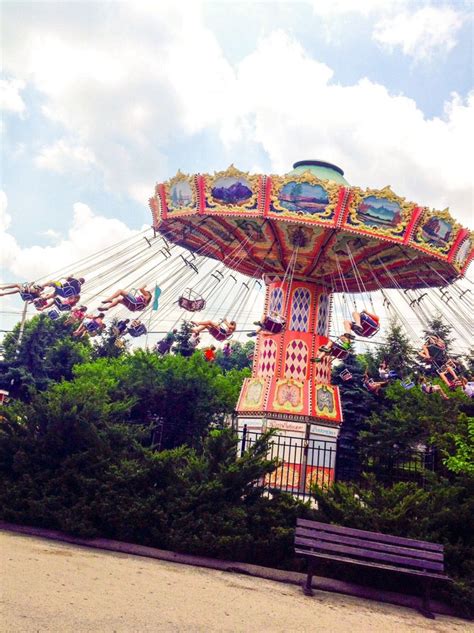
(244, 440)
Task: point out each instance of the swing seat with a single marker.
(53, 314)
(218, 334)
(273, 324)
(38, 303)
(133, 304)
(345, 374)
(163, 347)
(369, 326)
(62, 307)
(191, 301)
(28, 296)
(93, 327)
(69, 289)
(137, 331)
(339, 352)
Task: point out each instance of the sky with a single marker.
(101, 100)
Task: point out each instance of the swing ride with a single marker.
(309, 236)
(323, 252)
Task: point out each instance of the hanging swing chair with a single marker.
(62, 307)
(369, 326)
(38, 303)
(273, 323)
(191, 301)
(345, 375)
(139, 329)
(72, 288)
(338, 351)
(53, 314)
(219, 334)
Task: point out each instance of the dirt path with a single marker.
(54, 587)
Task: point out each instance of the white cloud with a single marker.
(421, 34)
(89, 234)
(378, 138)
(335, 8)
(64, 156)
(122, 79)
(126, 81)
(10, 99)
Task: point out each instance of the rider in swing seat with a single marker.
(69, 287)
(433, 350)
(222, 330)
(334, 348)
(28, 291)
(92, 325)
(429, 388)
(373, 386)
(273, 323)
(133, 302)
(364, 324)
(136, 328)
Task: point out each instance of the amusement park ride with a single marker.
(310, 240)
(307, 235)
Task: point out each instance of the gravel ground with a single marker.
(55, 587)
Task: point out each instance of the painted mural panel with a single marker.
(231, 190)
(379, 212)
(303, 197)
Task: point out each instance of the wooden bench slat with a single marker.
(373, 536)
(371, 554)
(354, 561)
(319, 535)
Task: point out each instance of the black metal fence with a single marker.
(305, 462)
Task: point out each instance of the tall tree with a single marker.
(439, 327)
(356, 406)
(396, 350)
(46, 352)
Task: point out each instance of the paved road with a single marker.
(54, 587)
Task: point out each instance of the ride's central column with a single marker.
(286, 384)
(288, 391)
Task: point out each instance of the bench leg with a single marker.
(425, 608)
(307, 589)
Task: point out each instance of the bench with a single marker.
(425, 560)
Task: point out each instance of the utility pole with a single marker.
(22, 325)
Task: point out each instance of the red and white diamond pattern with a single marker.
(322, 372)
(267, 359)
(296, 360)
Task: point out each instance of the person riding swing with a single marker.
(221, 330)
(364, 324)
(272, 323)
(135, 302)
(337, 349)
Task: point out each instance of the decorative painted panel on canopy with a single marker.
(380, 212)
(436, 232)
(304, 196)
(231, 189)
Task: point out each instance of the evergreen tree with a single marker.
(182, 345)
(46, 352)
(104, 344)
(439, 327)
(396, 351)
(356, 406)
(240, 357)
